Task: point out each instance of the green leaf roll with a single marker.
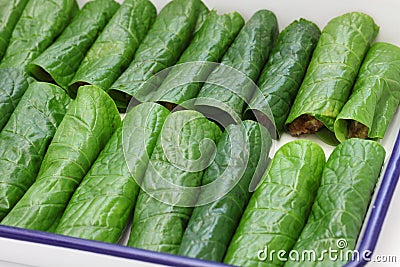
(41, 22)
(86, 128)
(10, 11)
(13, 84)
(280, 205)
(115, 48)
(212, 225)
(247, 56)
(375, 95)
(171, 33)
(183, 150)
(25, 138)
(333, 69)
(285, 70)
(208, 45)
(348, 182)
(60, 61)
(101, 206)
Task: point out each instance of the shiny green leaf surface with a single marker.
(101, 206)
(212, 226)
(13, 84)
(115, 48)
(280, 205)
(348, 182)
(86, 128)
(25, 138)
(285, 70)
(208, 45)
(10, 11)
(184, 149)
(41, 22)
(376, 94)
(61, 60)
(333, 68)
(171, 33)
(247, 55)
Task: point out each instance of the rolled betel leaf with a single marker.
(25, 138)
(103, 203)
(375, 95)
(232, 84)
(41, 22)
(214, 222)
(348, 181)
(172, 180)
(284, 72)
(208, 45)
(171, 33)
(332, 71)
(10, 11)
(60, 61)
(279, 207)
(115, 48)
(13, 84)
(86, 128)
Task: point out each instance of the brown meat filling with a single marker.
(305, 124)
(357, 130)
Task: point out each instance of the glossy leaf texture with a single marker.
(60, 61)
(103, 203)
(333, 69)
(13, 84)
(348, 182)
(170, 185)
(376, 94)
(280, 205)
(41, 22)
(212, 225)
(25, 138)
(282, 76)
(115, 48)
(171, 33)
(10, 11)
(86, 128)
(241, 66)
(208, 45)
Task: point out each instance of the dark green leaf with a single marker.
(212, 225)
(170, 185)
(285, 70)
(60, 61)
(376, 94)
(25, 138)
(327, 137)
(40, 24)
(348, 182)
(279, 208)
(13, 84)
(115, 48)
(82, 134)
(208, 45)
(247, 56)
(101, 206)
(333, 68)
(167, 39)
(10, 12)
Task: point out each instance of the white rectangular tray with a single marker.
(41, 249)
